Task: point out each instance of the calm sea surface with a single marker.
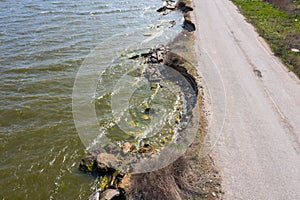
(43, 43)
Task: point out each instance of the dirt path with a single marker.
(255, 106)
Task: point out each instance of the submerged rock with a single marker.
(172, 23)
(110, 180)
(146, 148)
(162, 9)
(146, 117)
(127, 147)
(156, 55)
(147, 111)
(88, 164)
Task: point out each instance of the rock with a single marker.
(146, 105)
(116, 179)
(187, 9)
(181, 5)
(104, 182)
(189, 26)
(104, 162)
(125, 182)
(108, 194)
(171, 6)
(145, 54)
(95, 195)
(154, 86)
(133, 57)
(168, 7)
(88, 164)
(112, 194)
(147, 34)
(127, 147)
(146, 117)
(162, 48)
(157, 55)
(147, 148)
(172, 23)
(295, 50)
(183, 8)
(160, 56)
(162, 9)
(147, 111)
(214, 194)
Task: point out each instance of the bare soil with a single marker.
(190, 177)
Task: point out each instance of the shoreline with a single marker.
(178, 180)
(173, 181)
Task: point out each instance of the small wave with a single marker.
(56, 12)
(108, 12)
(46, 12)
(32, 7)
(96, 13)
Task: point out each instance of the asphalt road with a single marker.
(254, 103)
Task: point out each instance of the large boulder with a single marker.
(105, 162)
(112, 194)
(108, 194)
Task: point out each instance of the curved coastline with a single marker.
(170, 182)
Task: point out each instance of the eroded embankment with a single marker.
(192, 176)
